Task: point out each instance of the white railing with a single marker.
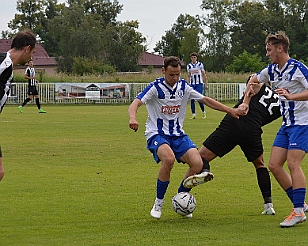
(48, 94)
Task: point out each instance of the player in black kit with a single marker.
(245, 132)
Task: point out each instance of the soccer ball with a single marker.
(184, 203)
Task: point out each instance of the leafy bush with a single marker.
(246, 63)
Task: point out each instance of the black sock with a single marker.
(264, 182)
(25, 102)
(37, 100)
(206, 165)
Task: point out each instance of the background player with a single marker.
(32, 90)
(196, 77)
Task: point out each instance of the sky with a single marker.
(155, 16)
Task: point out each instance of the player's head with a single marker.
(278, 39)
(172, 70)
(23, 42)
(193, 56)
(30, 63)
(277, 47)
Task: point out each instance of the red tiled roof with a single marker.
(147, 59)
(40, 57)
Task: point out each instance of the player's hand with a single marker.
(133, 124)
(243, 109)
(283, 92)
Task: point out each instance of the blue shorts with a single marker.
(179, 144)
(198, 87)
(292, 137)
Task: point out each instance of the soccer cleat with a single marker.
(157, 207)
(268, 209)
(293, 219)
(192, 117)
(197, 179)
(41, 111)
(204, 115)
(20, 109)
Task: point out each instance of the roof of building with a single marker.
(150, 59)
(40, 57)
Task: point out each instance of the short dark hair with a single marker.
(172, 61)
(194, 54)
(279, 38)
(23, 39)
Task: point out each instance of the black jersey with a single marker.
(247, 130)
(263, 107)
(6, 77)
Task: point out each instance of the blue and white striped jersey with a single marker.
(6, 77)
(166, 106)
(195, 71)
(293, 77)
(30, 72)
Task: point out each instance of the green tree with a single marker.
(218, 38)
(124, 45)
(172, 43)
(246, 63)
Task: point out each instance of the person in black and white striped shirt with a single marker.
(32, 90)
(22, 49)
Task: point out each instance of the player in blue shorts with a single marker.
(166, 102)
(196, 78)
(289, 77)
(22, 48)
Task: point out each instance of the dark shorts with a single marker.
(233, 132)
(32, 91)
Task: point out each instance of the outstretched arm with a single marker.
(132, 112)
(221, 107)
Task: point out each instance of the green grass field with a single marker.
(79, 176)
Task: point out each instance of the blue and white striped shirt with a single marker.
(293, 77)
(166, 106)
(195, 71)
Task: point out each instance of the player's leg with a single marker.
(205, 175)
(1, 166)
(199, 88)
(264, 182)
(28, 99)
(161, 152)
(37, 101)
(193, 109)
(294, 159)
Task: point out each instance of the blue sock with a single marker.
(161, 188)
(299, 197)
(182, 188)
(289, 192)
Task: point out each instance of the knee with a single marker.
(272, 167)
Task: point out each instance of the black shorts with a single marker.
(32, 91)
(232, 132)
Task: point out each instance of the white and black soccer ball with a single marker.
(184, 203)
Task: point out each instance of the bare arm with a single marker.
(205, 79)
(221, 107)
(132, 112)
(303, 96)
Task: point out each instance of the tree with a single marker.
(123, 45)
(172, 43)
(218, 39)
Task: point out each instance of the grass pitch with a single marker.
(79, 176)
